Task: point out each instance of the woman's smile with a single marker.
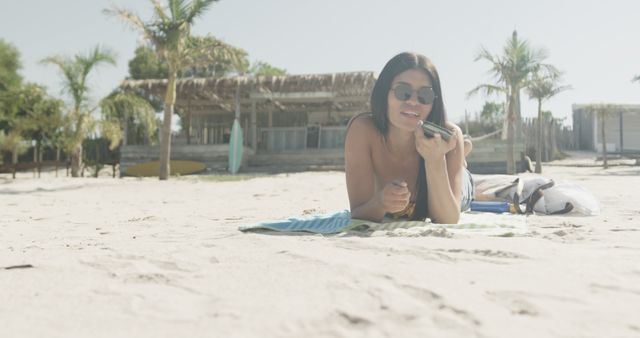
(410, 114)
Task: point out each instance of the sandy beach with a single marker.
(141, 258)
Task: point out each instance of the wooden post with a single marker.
(57, 159)
(552, 137)
(35, 161)
(205, 135)
(254, 127)
(602, 115)
(245, 131)
(40, 147)
(621, 135)
(14, 161)
(547, 140)
(97, 144)
(188, 126)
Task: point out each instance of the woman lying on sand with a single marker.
(392, 168)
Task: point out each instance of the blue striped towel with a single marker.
(320, 224)
(470, 222)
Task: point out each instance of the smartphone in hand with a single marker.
(430, 129)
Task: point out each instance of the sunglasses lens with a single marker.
(426, 95)
(403, 92)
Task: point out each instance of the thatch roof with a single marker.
(296, 93)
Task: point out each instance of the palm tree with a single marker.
(170, 34)
(511, 71)
(543, 86)
(75, 72)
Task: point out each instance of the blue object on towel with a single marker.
(321, 224)
(485, 206)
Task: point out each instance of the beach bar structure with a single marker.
(292, 122)
(622, 129)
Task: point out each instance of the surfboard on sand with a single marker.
(152, 168)
(235, 147)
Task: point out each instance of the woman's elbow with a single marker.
(454, 218)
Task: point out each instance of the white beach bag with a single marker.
(565, 196)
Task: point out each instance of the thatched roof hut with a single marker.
(291, 93)
(301, 117)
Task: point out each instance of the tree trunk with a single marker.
(511, 117)
(39, 158)
(76, 161)
(77, 169)
(14, 161)
(57, 159)
(604, 143)
(518, 124)
(165, 141)
(35, 161)
(96, 144)
(539, 140)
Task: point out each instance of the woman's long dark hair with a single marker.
(379, 109)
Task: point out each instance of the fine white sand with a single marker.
(142, 258)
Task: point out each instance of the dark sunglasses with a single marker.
(403, 92)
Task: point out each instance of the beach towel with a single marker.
(337, 222)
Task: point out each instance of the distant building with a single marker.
(291, 120)
(622, 128)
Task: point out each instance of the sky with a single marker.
(595, 43)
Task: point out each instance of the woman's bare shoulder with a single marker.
(362, 124)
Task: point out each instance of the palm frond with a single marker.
(71, 73)
(86, 63)
(487, 90)
(120, 105)
(75, 72)
(209, 51)
(128, 16)
(538, 55)
(135, 22)
(484, 54)
(178, 10)
(198, 7)
(545, 83)
(112, 131)
(557, 90)
(159, 10)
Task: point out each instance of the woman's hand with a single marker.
(394, 197)
(435, 147)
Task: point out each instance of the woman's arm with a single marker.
(360, 174)
(444, 169)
